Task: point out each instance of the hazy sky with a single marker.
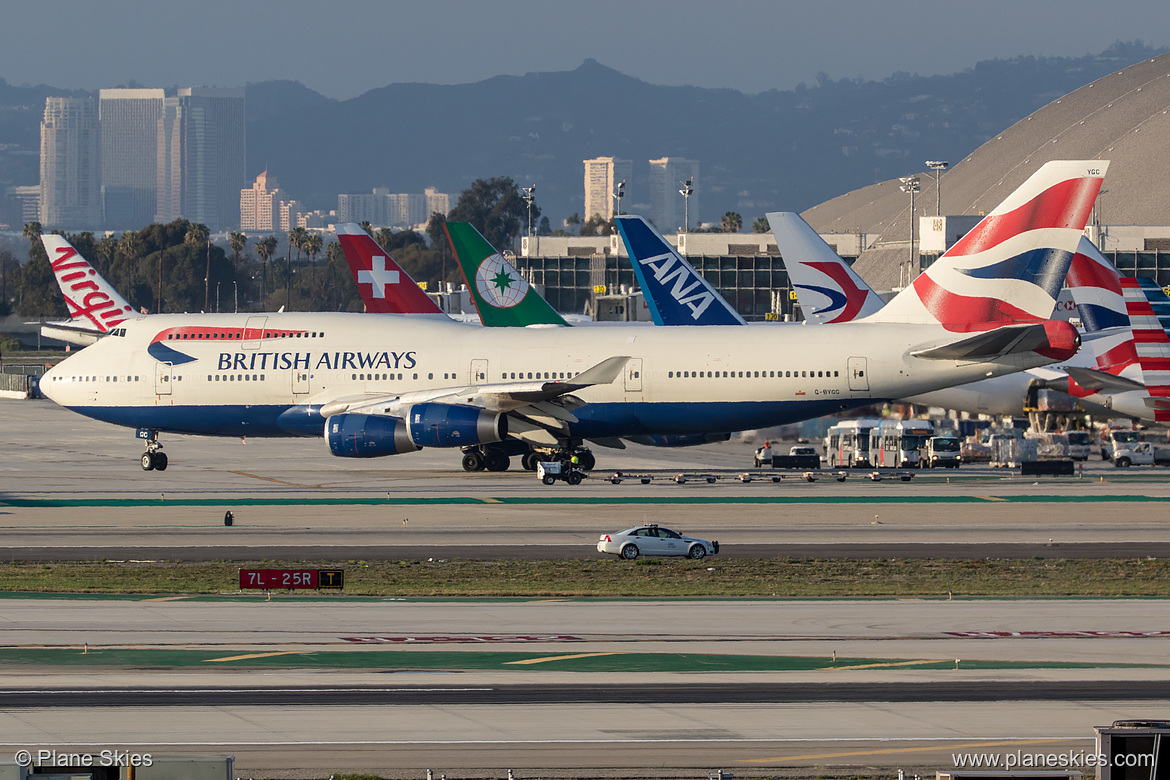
(342, 48)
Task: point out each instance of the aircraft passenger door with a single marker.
(633, 377)
(857, 378)
(300, 381)
(479, 371)
(162, 378)
(253, 332)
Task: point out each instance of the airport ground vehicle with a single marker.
(550, 471)
(847, 442)
(652, 539)
(942, 452)
(1140, 453)
(899, 443)
(1080, 444)
(1117, 438)
(798, 457)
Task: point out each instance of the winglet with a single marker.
(88, 296)
(384, 286)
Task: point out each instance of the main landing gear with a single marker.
(486, 457)
(154, 459)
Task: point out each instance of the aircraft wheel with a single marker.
(473, 460)
(160, 461)
(148, 461)
(585, 460)
(496, 461)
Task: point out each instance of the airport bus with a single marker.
(847, 442)
(899, 443)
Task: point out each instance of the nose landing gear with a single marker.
(154, 459)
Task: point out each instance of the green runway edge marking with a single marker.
(51, 503)
(557, 660)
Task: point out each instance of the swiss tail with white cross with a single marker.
(385, 288)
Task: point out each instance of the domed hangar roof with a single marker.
(1123, 117)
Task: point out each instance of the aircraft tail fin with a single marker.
(88, 296)
(384, 286)
(502, 295)
(675, 292)
(1009, 269)
(826, 287)
(1096, 289)
(1149, 316)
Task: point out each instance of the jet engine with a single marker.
(454, 425)
(367, 436)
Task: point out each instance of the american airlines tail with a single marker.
(1012, 265)
(675, 292)
(828, 289)
(385, 288)
(94, 305)
(1149, 316)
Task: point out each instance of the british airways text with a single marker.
(250, 361)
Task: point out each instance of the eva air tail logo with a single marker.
(499, 284)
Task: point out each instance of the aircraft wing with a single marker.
(80, 334)
(1002, 342)
(547, 401)
(1102, 382)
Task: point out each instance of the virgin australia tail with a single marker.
(503, 297)
(675, 292)
(826, 287)
(94, 305)
(1009, 269)
(385, 288)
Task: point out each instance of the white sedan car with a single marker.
(654, 540)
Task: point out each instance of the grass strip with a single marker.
(645, 578)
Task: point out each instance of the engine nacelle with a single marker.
(454, 425)
(367, 436)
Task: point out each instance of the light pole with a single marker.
(686, 193)
(236, 295)
(937, 166)
(910, 185)
(529, 197)
(619, 194)
(217, 297)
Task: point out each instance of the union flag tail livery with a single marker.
(1149, 316)
(503, 297)
(1011, 266)
(92, 301)
(826, 287)
(385, 288)
(675, 292)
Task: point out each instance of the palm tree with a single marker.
(731, 222)
(265, 247)
(384, 236)
(198, 234)
(131, 247)
(32, 231)
(366, 226)
(296, 238)
(761, 225)
(313, 244)
(237, 241)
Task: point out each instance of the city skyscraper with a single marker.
(602, 175)
(667, 209)
(70, 165)
(129, 140)
(260, 204)
(201, 157)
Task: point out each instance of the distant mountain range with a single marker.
(773, 151)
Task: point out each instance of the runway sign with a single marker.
(292, 579)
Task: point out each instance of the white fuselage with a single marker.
(237, 374)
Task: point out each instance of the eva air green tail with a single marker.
(503, 297)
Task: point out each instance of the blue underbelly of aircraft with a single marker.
(594, 420)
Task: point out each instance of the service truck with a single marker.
(942, 452)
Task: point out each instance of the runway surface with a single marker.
(208, 675)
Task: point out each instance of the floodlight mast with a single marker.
(938, 166)
(910, 185)
(686, 193)
(529, 197)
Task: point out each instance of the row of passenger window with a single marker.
(233, 377)
(93, 379)
(750, 374)
(237, 336)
